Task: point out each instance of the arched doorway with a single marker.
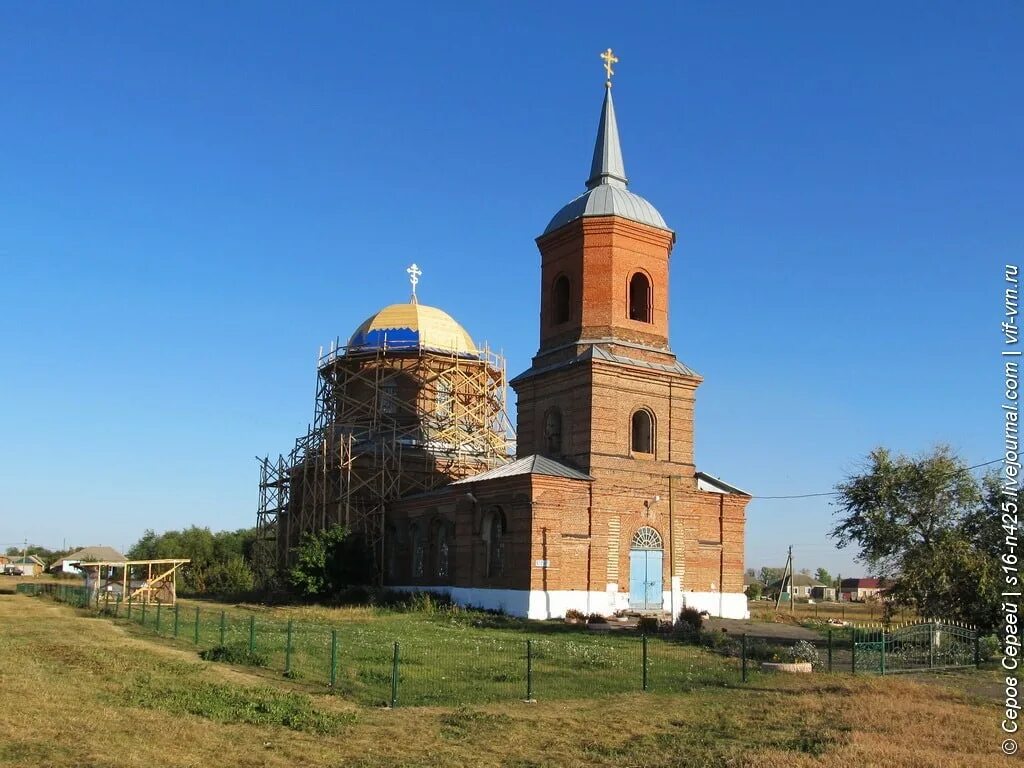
(645, 557)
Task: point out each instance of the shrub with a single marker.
(234, 654)
(596, 618)
(804, 651)
(689, 622)
(648, 625)
(328, 561)
(572, 613)
(989, 647)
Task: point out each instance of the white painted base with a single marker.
(551, 604)
(725, 605)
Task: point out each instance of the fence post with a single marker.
(129, 607)
(117, 607)
(144, 613)
(334, 657)
(252, 634)
(853, 650)
(643, 638)
(222, 628)
(977, 649)
(529, 670)
(288, 649)
(881, 658)
(394, 678)
(195, 629)
(931, 645)
(158, 617)
(743, 657)
(830, 650)
(176, 612)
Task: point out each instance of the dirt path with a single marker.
(787, 633)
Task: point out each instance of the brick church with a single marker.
(602, 509)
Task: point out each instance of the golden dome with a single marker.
(412, 326)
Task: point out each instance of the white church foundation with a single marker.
(553, 604)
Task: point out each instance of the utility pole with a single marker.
(782, 584)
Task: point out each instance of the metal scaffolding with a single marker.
(387, 422)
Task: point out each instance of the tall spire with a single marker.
(607, 167)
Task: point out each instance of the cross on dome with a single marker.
(414, 273)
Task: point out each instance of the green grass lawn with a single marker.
(93, 691)
(446, 655)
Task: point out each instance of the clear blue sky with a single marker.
(194, 199)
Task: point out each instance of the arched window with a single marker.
(444, 398)
(416, 544)
(553, 431)
(646, 538)
(389, 398)
(390, 547)
(494, 535)
(560, 300)
(642, 432)
(442, 543)
(640, 298)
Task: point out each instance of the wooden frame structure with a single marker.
(140, 581)
(387, 422)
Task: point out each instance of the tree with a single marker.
(754, 590)
(823, 577)
(219, 562)
(769, 574)
(925, 525)
(327, 561)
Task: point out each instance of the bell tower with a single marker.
(604, 391)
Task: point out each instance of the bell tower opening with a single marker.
(560, 297)
(640, 298)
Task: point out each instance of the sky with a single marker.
(195, 197)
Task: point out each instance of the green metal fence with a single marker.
(916, 647)
(452, 664)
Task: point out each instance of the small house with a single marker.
(70, 563)
(804, 587)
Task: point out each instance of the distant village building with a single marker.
(602, 508)
(70, 563)
(28, 565)
(858, 590)
(803, 587)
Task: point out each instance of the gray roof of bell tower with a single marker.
(606, 193)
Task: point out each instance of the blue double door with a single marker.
(645, 579)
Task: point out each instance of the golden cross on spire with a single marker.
(609, 59)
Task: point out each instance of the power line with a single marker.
(836, 493)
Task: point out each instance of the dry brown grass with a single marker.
(69, 676)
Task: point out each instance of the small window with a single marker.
(642, 432)
(553, 431)
(442, 543)
(444, 398)
(496, 543)
(416, 542)
(560, 300)
(640, 298)
(390, 545)
(389, 398)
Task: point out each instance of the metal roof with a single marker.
(599, 353)
(92, 553)
(606, 193)
(412, 326)
(719, 484)
(528, 465)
